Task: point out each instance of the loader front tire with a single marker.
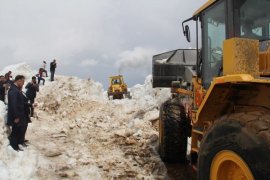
(173, 131)
(236, 147)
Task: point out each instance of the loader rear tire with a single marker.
(237, 146)
(173, 134)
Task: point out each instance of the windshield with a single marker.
(254, 17)
(213, 37)
(116, 81)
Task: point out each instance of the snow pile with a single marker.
(79, 134)
(14, 165)
(3, 139)
(145, 100)
(146, 93)
(162, 61)
(70, 92)
(113, 138)
(20, 69)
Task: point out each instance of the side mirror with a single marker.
(187, 33)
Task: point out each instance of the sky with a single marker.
(93, 38)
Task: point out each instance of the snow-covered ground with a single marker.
(80, 134)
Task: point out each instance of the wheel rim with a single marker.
(227, 165)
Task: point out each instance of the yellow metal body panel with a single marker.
(116, 87)
(264, 63)
(205, 6)
(116, 77)
(241, 56)
(198, 92)
(241, 84)
(229, 91)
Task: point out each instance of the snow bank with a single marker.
(146, 100)
(146, 93)
(3, 139)
(64, 94)
(14, 165)
(80, 134)
(20, 69)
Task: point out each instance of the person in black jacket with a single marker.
(2, 88)
(16, 112)
(52, 69)
(8, 77)
(31, 93)
(27, 111)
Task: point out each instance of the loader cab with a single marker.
(252, 19)
(224, 19)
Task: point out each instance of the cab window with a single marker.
(214, 33)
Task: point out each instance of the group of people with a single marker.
(5, 82)
(20, 110)
(21, 105)
(43, 72)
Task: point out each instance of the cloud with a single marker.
(70, 31)
(88, 63)
(139, 57)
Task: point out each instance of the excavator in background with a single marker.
(222, 101)
(118, 88)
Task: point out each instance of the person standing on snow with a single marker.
(31, 93)
(40, 76)
(52, 69)
(16, 112)
(8, 77)
(43, 67)
(27, 111)
(2, 88)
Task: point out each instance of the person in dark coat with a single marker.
(16, 112)
(31, 93)
(27, 107)
(52, 69)
(8, 77)
(2, 88)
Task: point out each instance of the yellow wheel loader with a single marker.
(223, 101)
(118, 88)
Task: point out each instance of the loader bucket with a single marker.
(172, 66)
